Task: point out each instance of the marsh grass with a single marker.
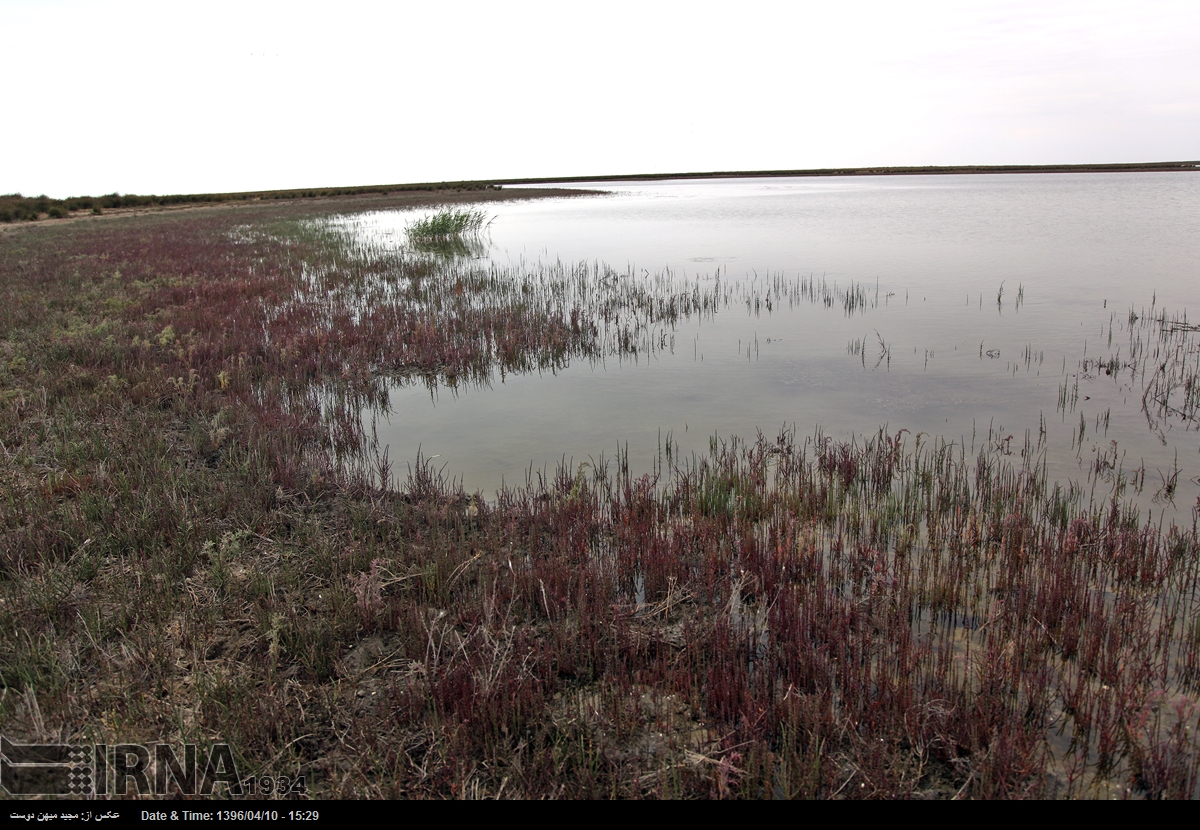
(448, 223)
(189, 512)
(450, 234)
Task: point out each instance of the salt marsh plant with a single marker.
(1157, 362)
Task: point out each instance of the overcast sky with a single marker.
(154, 97)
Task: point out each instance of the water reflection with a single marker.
(985, 310)
(452, 248)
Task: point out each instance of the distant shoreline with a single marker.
(16, 209)
(934, 170)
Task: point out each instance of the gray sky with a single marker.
(143, 97)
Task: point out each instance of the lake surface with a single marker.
(983, 305)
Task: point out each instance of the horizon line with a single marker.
(896, 170)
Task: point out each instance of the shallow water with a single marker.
(984, 295)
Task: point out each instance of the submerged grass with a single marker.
(197, 545)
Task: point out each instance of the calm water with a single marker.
(986, 297)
